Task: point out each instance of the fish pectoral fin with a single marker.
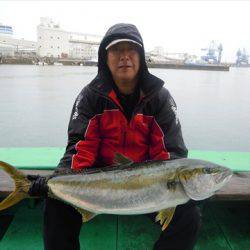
(165, 216)
(86, 215)
(121, 159)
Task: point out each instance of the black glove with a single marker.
(38, 187)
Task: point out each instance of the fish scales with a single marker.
(133, 191)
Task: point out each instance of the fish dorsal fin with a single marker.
(120, 159)
(165, 216)
(86, 215)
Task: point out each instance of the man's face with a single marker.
(123, 60)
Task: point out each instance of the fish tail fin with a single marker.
(22, 185)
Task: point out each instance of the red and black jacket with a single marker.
(99, 128)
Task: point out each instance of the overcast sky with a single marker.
(179, 26)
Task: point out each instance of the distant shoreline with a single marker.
(77, 62)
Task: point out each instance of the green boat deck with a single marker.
(226, 224)
(225, 227)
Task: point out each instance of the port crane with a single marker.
(242, 57)
(214, 52)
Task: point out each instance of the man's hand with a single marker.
(38, 187)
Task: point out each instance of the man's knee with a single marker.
(187, 219)
(182, 232)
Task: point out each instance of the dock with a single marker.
(211, 67)
(80, 62)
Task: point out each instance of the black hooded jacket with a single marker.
(99, 126)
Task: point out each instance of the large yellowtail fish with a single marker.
(129, 188)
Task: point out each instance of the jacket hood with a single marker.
(103, 82)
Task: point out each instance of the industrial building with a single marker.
(52, 41)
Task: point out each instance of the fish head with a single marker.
(203, 179)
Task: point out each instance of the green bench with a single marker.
(44, 160)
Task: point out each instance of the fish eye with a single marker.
(207, 170)
(210, 170)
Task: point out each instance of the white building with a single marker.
(52, 41)
(10, 46)
(159, 55)
(5, 48)
(6, 30)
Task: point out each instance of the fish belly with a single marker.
(123, 196)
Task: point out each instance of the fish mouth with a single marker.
(224, 176)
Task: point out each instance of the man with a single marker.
(124, 109)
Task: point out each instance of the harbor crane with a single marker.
(242, 57)
(214, 52)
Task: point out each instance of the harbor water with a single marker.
(36, 102)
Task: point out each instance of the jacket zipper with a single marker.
(124, 141)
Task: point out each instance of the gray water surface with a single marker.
(36, 102)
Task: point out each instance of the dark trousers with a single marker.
(62, 225)
(182, 232)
